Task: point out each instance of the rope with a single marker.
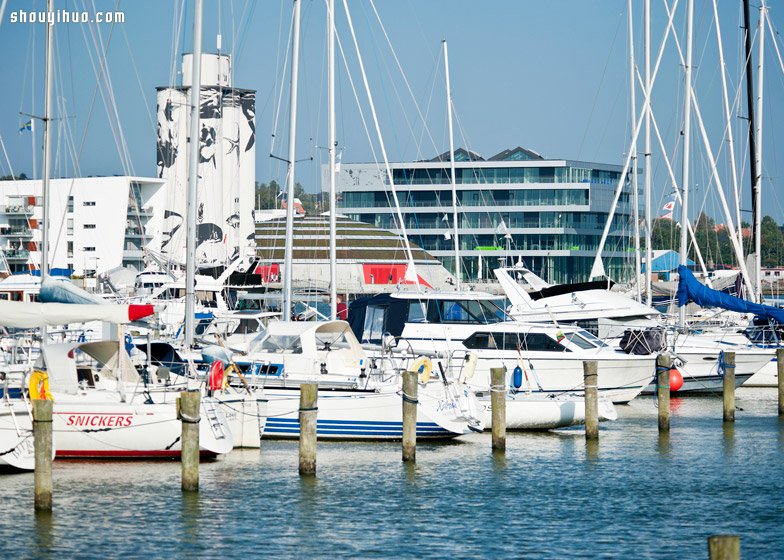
(409, 399)
(498, 388)
(189, 420)
(309, 409)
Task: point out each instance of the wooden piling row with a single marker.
(780, 371)
(663, 365)
(591, 383)
(729, 386)
(308, 415)
(724, 547)
(498, 408)
(189, 405)
(410, 401)
(42, 445)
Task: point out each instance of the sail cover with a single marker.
(690, 289)
(30, 315)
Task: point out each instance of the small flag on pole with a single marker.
(26, 126)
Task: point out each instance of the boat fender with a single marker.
(469, 368)
(676, 379)
(424, 367)
(517, 378)
(215, 378)
(39, 386)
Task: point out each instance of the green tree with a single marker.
(772, 243)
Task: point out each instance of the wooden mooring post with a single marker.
(663, 365)
(308, 418)
(591, 383)
(189, 405)
(410, 401)
(724, 547)
(498, 407)
(780, 372)
(729, 386)
(42, 445)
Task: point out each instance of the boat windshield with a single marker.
(277, 343)
(591, 338)
(480, 312)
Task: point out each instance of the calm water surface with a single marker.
(551, 496)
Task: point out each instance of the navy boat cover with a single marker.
(690, 289)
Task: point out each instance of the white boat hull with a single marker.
(94, 429)
(531, 411)
(16, 436)
(346, 414)
(701, 373)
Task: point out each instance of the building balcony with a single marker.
(136, 234)
(16, 232)
(133, 255)
(17, 255)
(17, 209)
(137, 212)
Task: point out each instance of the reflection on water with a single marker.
(636, 493)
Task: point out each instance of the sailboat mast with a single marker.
(647, 155)
(289, 252)
(635, 188)
(686, 150)
(752, 127)
(758, 158)
(46, 170)
(452, 166)
(46, 166)
(331, 147)
(193, 179)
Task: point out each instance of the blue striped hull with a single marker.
(283, 428)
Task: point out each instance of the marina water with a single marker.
(550, 496)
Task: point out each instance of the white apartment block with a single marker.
(96, 224)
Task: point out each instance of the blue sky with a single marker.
(550, 76)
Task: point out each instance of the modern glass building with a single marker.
(514, 206)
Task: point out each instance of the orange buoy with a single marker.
(676, 380)
(215, 379)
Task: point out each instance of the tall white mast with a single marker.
(46, 170)
(728, 119)
(686, 150)
(758, 157)
(452, 166)
(289, 252)
(193, 179)
(647, 155)
(635, 189)
(331, 147)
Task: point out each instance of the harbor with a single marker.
(308, 287)
(634, 493)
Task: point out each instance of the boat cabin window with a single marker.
(591, 338)
(375, 323)
(247, 326)
(416, 312)
(286, 343)
(578, 341)
(531, 342)
(480, 312)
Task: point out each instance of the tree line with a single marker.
(269, 196)
(714, 242)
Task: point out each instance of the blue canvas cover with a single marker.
(690, 289)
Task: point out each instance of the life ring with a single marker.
(424, 367)
(216, 376)
(39, 386)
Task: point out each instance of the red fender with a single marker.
(215, 378)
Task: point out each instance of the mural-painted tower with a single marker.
(227, 165)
